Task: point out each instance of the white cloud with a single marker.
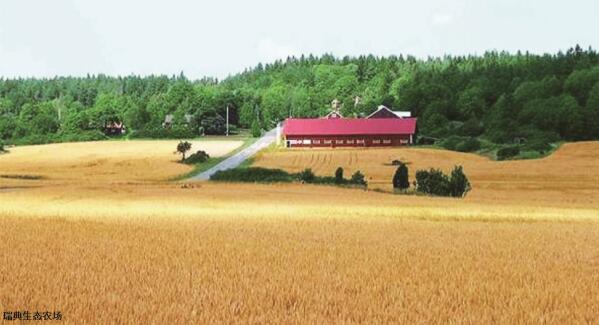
(442, 18)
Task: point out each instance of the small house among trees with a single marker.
(384, 112)
(169, 120)
(114, 128)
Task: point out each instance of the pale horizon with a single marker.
(77, 38)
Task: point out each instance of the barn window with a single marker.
(316, 141)
(307, 141)
(339, 141)
(376, 141)
(328, 141)
(386, 141)
(360, 141)
(350, 141)
(403, 141)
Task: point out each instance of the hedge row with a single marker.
(266, 175)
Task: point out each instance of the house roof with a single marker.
(333, 113)
(168, 118)
(353, 126)
(400, 114)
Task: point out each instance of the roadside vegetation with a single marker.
(268, 175)
(202, 161)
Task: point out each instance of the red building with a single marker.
(351, 132)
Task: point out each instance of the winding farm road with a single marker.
(235, 160)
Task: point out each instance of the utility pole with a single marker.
(227, 119)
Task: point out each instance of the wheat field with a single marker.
(105, 161)
(568, 177)
(132, 248)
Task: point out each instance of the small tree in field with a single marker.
(183, 147)
(358, 178)
(458, 182)
(339, 175)
(400, 179)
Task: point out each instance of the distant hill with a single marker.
(497, 97)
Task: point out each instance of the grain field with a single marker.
(130, 248)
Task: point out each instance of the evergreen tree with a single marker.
(339, 176)
(400, 178)
(458, 182)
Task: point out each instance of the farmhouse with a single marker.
(170, 118)
(349, 132)
(385, 112)
(114, 128)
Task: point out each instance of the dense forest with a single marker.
(499, 98)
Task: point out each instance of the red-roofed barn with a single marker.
(351, 132)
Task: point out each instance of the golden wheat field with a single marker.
(128, 246)
(107, 161)
(568, 177)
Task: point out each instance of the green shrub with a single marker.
(435, 182)
(196, 158)
(468, 145)
(306, 176)
(432, 182)
(266, 175)
(451, 142)
(339, 176)
(507, 152)
(256, 130)
(400, 178)
(328, 180)
(253, 175)
(462, 144)
(358, 179)
(2, 146)
(539, 144)
(458, 182)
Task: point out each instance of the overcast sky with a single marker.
(220, 37)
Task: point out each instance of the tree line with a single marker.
(498, 97)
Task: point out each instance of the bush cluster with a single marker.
(435, 182)
(256, 129)
(196, 158)
(462, 144)
(507, 152)
(358, 179)
(306, 176)
(266, 175)
(253, 175)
